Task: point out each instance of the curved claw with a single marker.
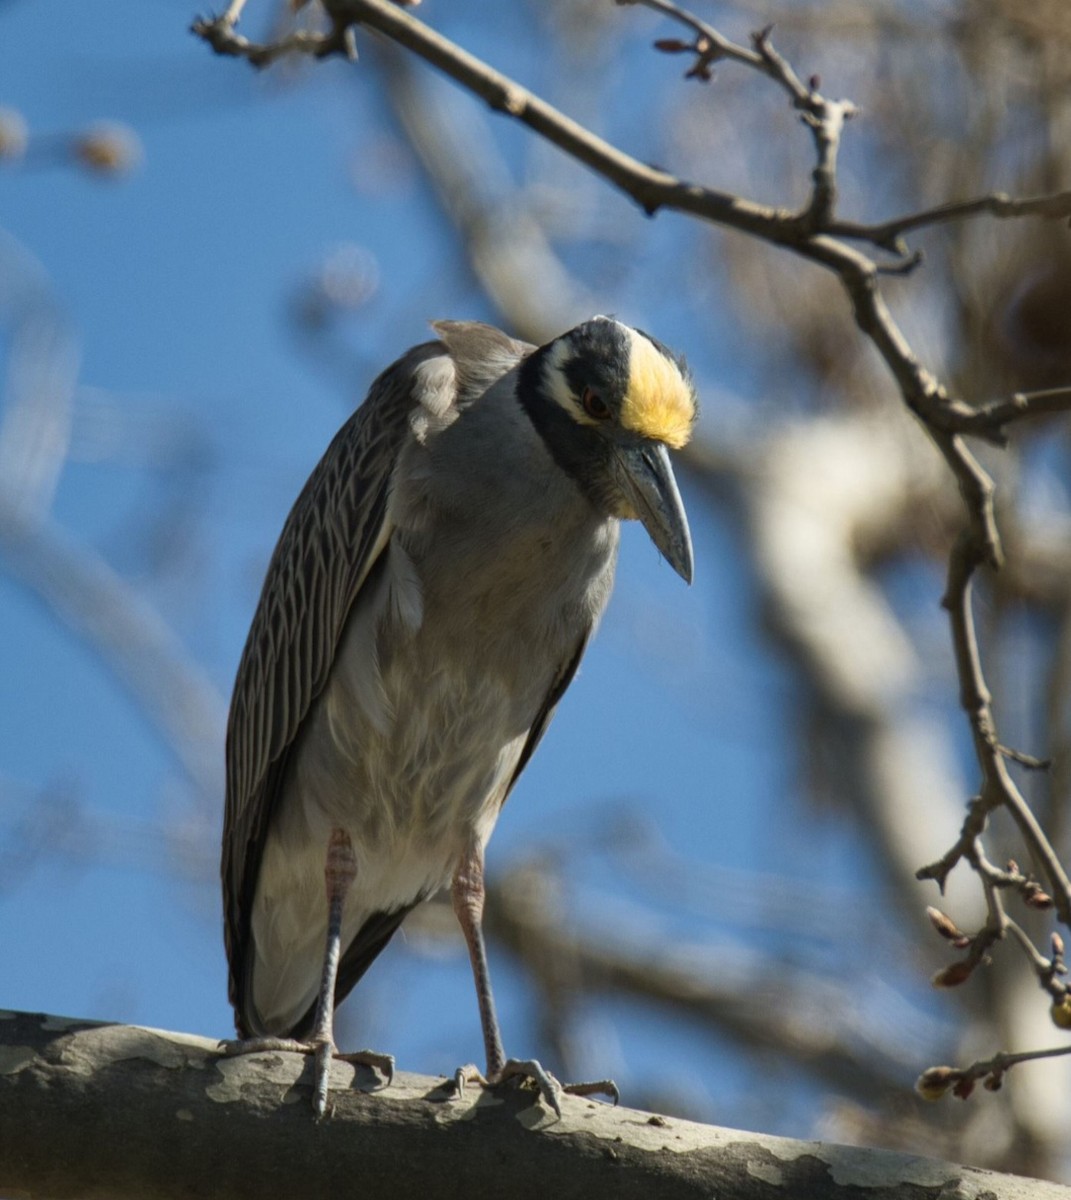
(326, 1051)
(469, 1073)
(383, 1063)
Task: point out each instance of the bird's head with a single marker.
(610, 401)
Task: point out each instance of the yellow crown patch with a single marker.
(659, 403)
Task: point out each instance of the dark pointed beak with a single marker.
(647, 480)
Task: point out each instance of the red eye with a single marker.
(594, 405)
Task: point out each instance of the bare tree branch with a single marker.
(999, 789)
(934, 1082)
(651, 188)
(888, 234)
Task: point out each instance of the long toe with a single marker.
(383, 1063)
(322, 1052)
(598, 1087)
(550, 1088)
(264, 1045)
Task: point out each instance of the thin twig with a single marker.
(1046, 969)
(220, 34)
(762, 57)
(990, 419)
(932, 1084)
(973, 826)
(651, 188)
(1030, 761)
(825, 118)
(888, 234)
(998, 789)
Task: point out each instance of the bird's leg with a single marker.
(340, 870)
(467, 893)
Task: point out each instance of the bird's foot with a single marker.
(549, 1088)
(323, 1052)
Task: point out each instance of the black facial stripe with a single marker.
(581, 452)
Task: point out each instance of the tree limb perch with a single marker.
(91, 1109)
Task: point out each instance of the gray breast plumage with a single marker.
(494, 572)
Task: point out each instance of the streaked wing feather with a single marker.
(331, 539)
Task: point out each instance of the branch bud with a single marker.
(944, 925)
(934, 1082)
(1061, 1013)
(954, 974)
(673, 46)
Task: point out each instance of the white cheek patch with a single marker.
(557, 386)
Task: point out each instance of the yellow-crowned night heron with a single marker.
(427, 605)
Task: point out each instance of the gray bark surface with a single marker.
(102, 1110)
